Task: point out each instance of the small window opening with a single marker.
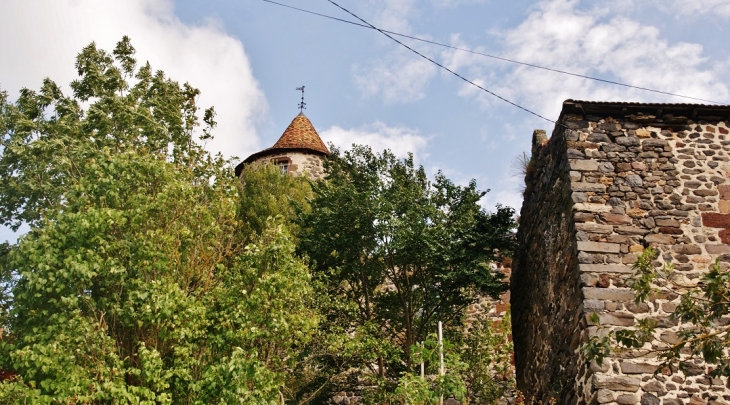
(284, 165)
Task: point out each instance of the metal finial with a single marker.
(302, 105)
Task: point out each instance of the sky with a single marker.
(248, 57)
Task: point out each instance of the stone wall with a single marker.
(545, 271)
(637, 175)
(300, 163)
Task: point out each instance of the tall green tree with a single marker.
(405, 251)
(135, 284)
(269, 193)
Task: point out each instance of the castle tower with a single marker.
(299, 151)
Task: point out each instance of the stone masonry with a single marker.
(613, 179)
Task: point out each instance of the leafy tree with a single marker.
(403, 251)
(704, 307)
(134, 284)
(269, 194)
(486, 350)
(414, 389)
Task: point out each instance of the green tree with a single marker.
(134, 284)
(404, 251)
(486, 350)
(268, 193)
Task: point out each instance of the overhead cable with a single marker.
(442, 66)
(493, 56)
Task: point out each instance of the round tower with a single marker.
(299, 151)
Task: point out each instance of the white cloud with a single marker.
(401, 77)
(379, 136)
(590, 42)
(42, 38)
(696, 7)
(393, 15)
(455, 3)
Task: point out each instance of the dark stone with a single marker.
(598, 137)
(649, 399)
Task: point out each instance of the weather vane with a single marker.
(302, 105)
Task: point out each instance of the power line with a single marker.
(493, 56)
(442, 66)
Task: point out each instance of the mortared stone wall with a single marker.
(613, 179)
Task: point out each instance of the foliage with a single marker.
(704, 307)
(404, 251)
(134, 284)
(269, 194)
(48, 139)
(486, 348)
(414, 389)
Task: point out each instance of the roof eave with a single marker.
(272, 151)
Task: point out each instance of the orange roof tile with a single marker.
(301, 135)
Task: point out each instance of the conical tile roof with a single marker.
(299, 135)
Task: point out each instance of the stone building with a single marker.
(299, 151)
(613, 179)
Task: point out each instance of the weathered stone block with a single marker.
(634, 180)
(616, 319)
(610, 294)
(724, 206)
(704, 192)
(579, 197)
(583, 165)
(724, 192)
(627, 399)
(590, 207)
(724, 236)
(630, 230)
(715, 220)
(604, 396)
(592, 227)
(717, 249)
(671, 231)
(616, 219)
(687, 249)
(601, 247)
(654, 143)
(667, 222)
(649, 399)
(628, 367)
(655, 387)
(593, 305)
(605, 268)
(659, 238)
(593, 187)
(598, 137)
(628, 141)
(616, 383)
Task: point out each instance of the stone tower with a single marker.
(299, 151)
(613, 179)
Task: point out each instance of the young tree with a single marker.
(134, 284)
(404, 251)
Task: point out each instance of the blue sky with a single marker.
(248, 56)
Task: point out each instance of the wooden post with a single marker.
(423, 365)
(441, 358)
